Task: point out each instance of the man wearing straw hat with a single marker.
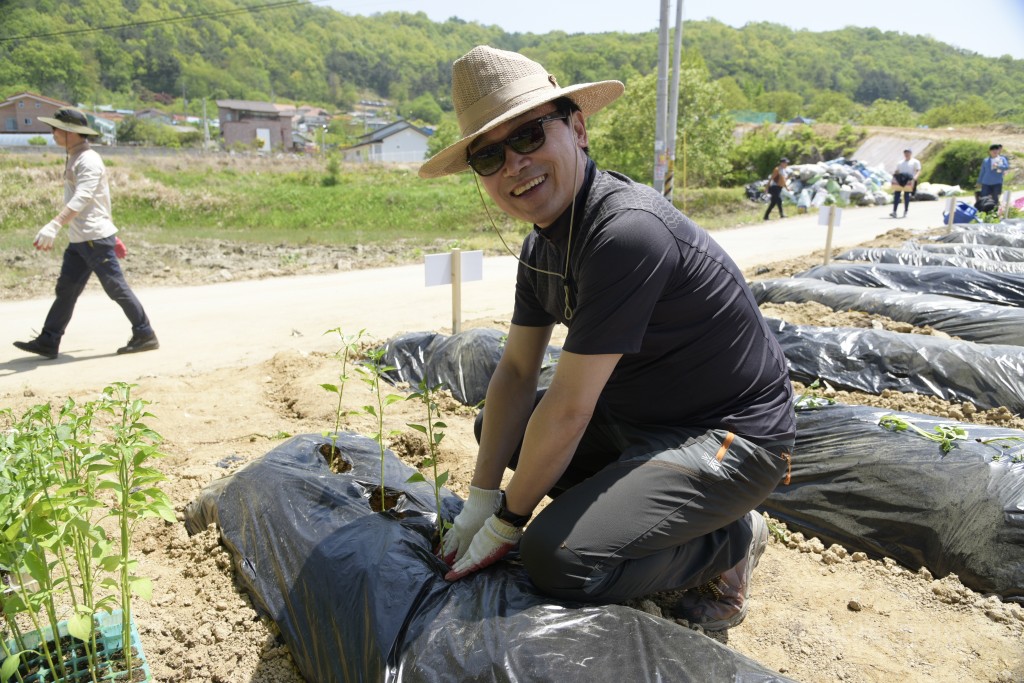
(669, 416)
(92, 246)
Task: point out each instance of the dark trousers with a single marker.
(82, 259)
(896, 201)
(647, 508)
(775, 191)
(993, 191)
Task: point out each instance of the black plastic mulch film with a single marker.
(359, 596)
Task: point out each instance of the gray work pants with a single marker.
(647, 508)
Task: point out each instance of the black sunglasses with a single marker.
(527, 138)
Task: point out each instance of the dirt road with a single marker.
(202, 328)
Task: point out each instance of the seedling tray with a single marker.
(108, 644)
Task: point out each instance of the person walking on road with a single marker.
(649, 494)
(993, 170)
(905, 177)
(92, 246)
(777, 182)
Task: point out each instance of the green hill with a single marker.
(126, 52)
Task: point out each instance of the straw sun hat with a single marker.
(491, 87)
(70, 120)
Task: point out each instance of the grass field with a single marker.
(293, 200)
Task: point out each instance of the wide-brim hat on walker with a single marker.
(491, 87)
(70, 120)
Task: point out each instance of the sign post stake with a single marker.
(829, 215)
(456, 291)
(452, 268)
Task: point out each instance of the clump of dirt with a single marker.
(814, 313)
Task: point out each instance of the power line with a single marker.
(205, 15)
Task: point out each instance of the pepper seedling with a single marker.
(946, 435)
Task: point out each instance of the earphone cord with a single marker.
(568, 247)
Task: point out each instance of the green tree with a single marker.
(445, 134)
(623, 137)
(957, 162)
(786, 105)
(971, 109)
(425, 108)
(733, 96)
(757, 154)
(889, 113)
(832, 107)
(877, 84)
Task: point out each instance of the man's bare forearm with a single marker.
(510, 400)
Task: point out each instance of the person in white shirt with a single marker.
(92, 244)
(905, 177)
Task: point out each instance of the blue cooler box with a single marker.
(964, 213)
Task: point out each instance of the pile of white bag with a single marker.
(849, 182)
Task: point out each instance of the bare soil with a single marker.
(817, 614)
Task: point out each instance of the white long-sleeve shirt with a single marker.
(87, 191)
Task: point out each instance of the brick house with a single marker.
(20, 113)
(19, 117)
(244, 122)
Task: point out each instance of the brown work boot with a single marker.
(722, 602)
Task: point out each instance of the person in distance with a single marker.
(93, 246)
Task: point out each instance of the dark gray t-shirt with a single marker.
(647, 282)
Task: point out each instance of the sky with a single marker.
(989, 27)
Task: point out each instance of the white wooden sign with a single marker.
(438, 267)
(830, 216)
(453, 269)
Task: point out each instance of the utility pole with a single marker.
(206, 128)
(673, 106)
(660, 155)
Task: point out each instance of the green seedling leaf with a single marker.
(812, 399)
(80, 626)
(415, 478)
(164, 511)
(142, 587)
(9, 666)
(945, 435)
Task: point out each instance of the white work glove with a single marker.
(481, 504)
(44, 238)
(494, 540)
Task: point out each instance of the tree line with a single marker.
(134, 52)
